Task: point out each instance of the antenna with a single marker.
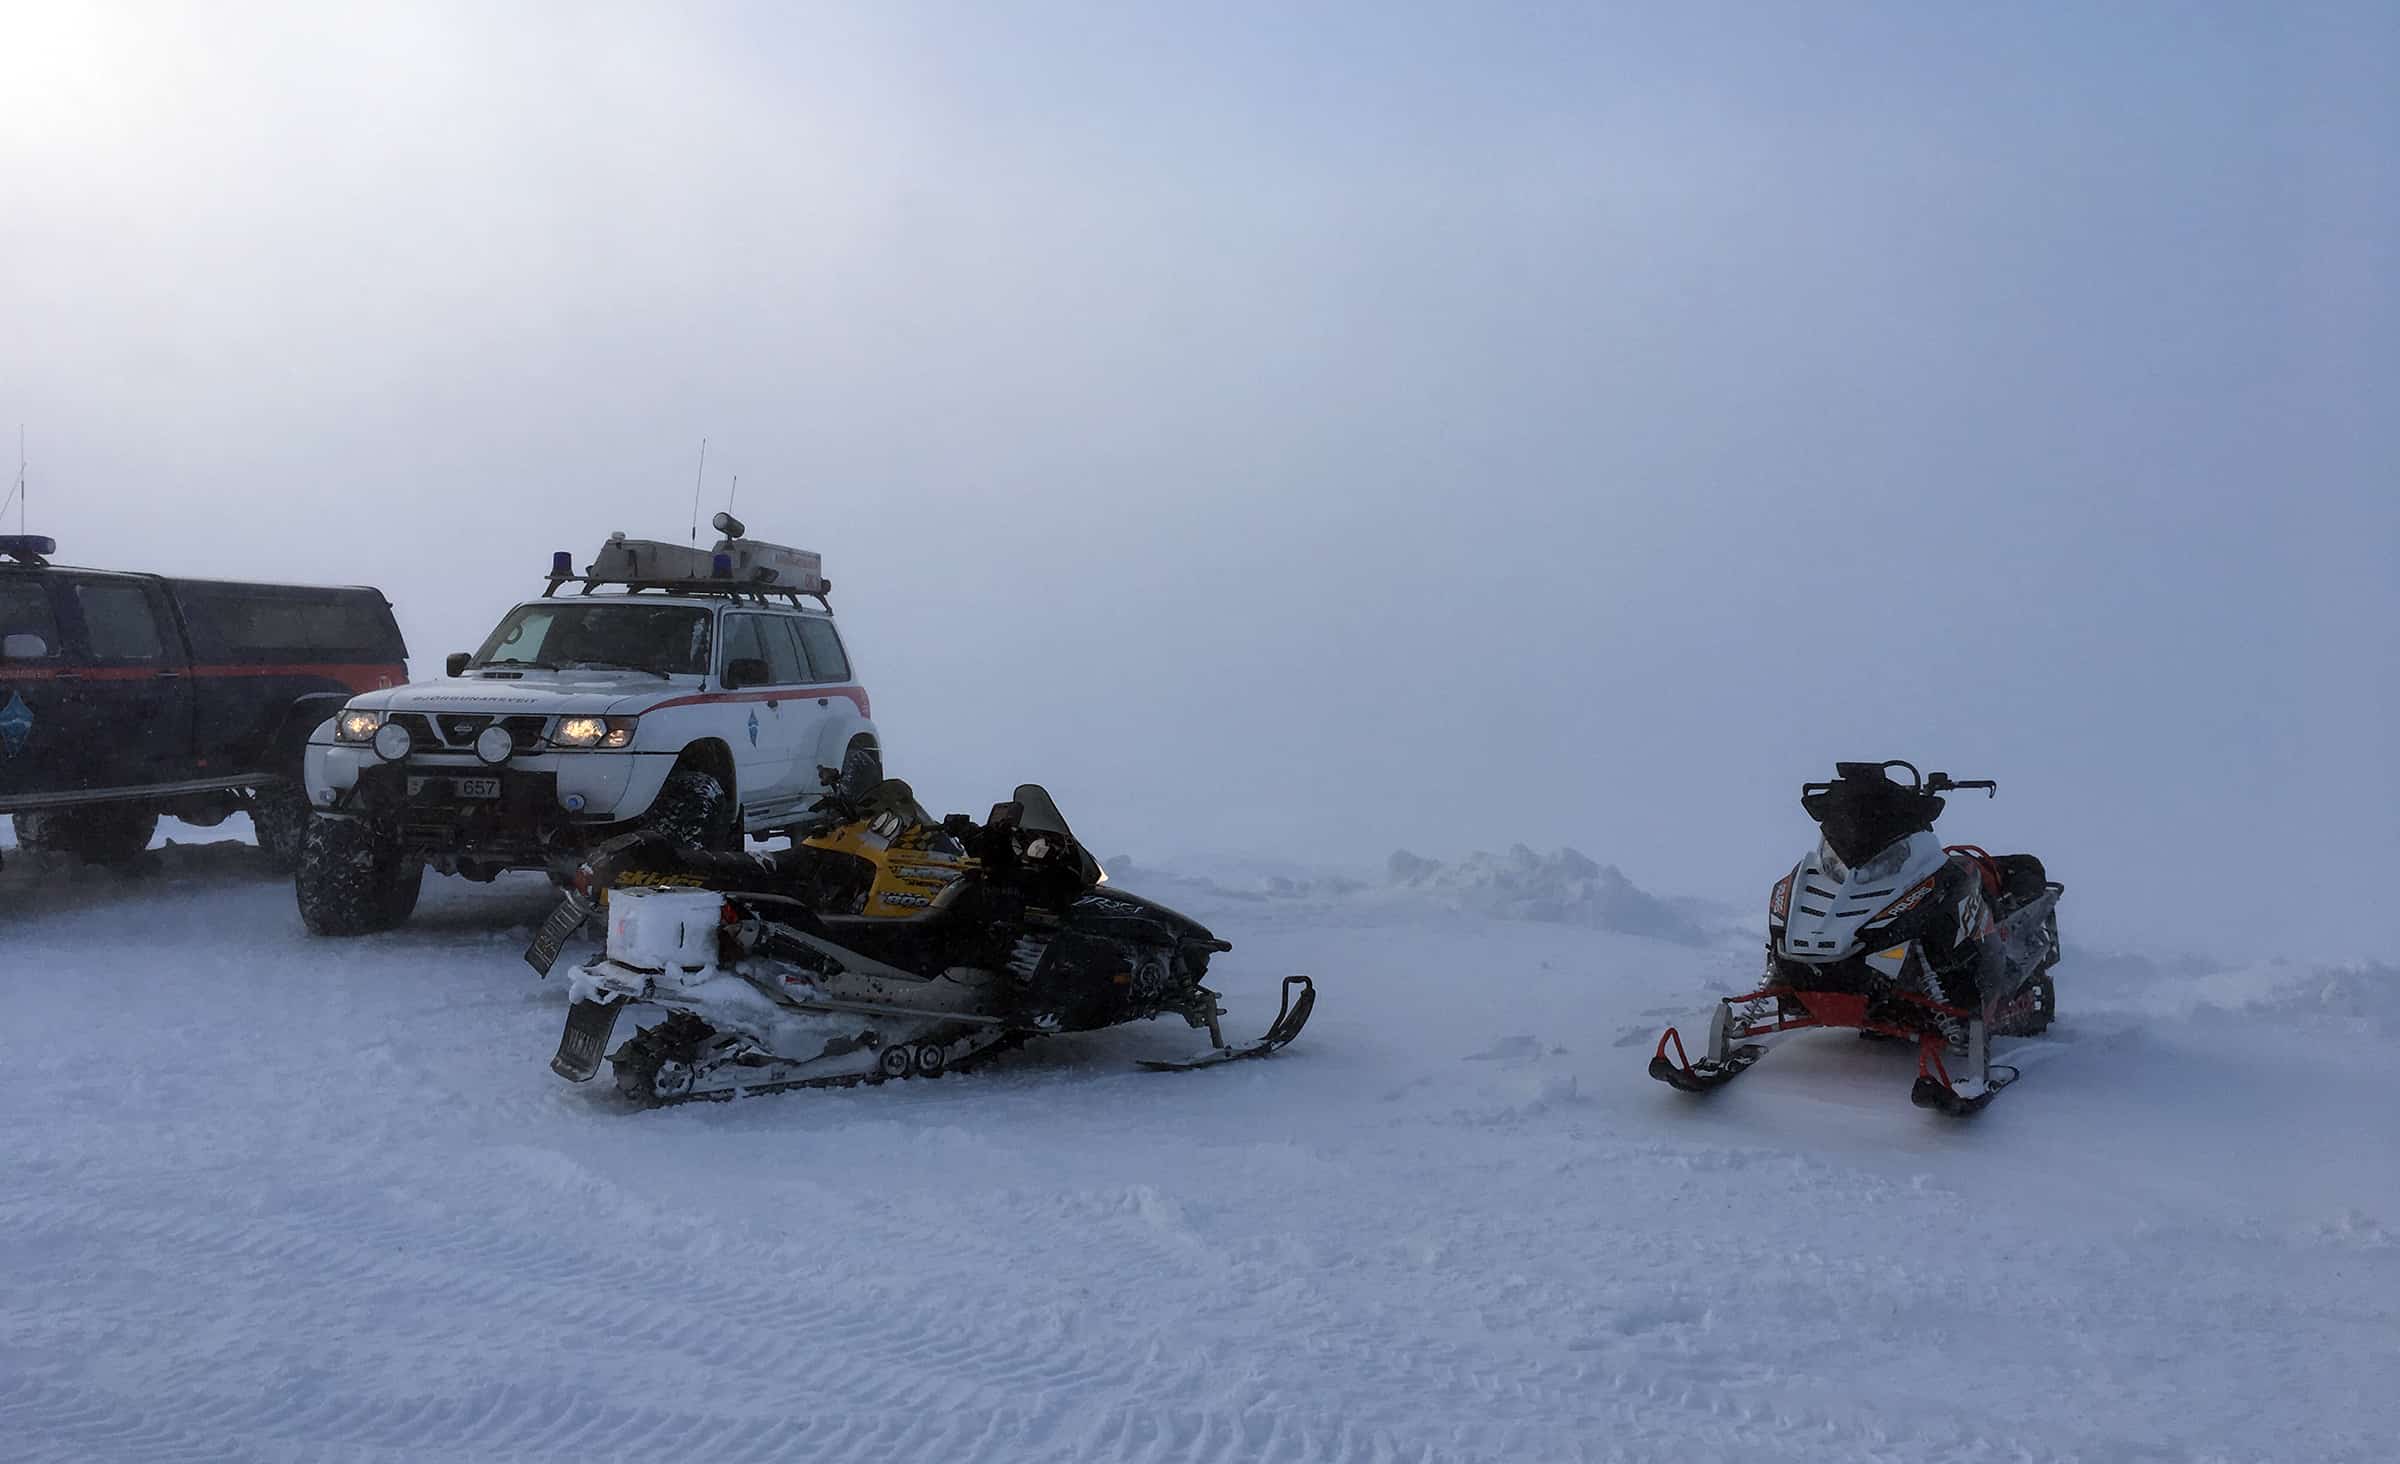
(696, 476)
(16, 495)
(732, 492)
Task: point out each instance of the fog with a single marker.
(1302, 432)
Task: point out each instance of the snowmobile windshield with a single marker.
(1886, 862)
(667, 640)
(1041, 815)
(894, 802)
(1863, 817)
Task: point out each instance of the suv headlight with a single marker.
(606, 732)
(351, 726)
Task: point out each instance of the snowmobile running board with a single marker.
(1290, 1017)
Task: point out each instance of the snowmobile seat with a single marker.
(2022, 879)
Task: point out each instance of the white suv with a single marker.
(697, 694)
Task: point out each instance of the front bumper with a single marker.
(546, 803)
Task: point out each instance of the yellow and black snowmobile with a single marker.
(885, 945)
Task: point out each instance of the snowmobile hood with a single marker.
(1105, 903)
(591, 692)
(1832, 905)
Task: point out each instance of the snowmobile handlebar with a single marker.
(1917, 782)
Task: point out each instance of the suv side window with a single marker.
(25, 610)
(825, 658)
(741, 641)
(783, 653)
(118, 622)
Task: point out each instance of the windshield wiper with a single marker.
(619, 666)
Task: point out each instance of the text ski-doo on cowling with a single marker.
(1885, 930)
(884, 946)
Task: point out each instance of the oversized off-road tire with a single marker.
(353, 879)
(279, 817)
(694, 810)
(97, 833)
(862, 769)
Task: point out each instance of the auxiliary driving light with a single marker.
(391, 742)
(494, 744)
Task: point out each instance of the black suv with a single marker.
(128, 696)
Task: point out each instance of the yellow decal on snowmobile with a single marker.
(912, 873)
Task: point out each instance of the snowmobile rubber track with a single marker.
(1290, 1017)
(636, 1079)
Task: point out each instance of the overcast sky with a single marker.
(1311, 430)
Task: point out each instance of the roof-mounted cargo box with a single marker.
(646, 561)
(735, 566)
(750, 561)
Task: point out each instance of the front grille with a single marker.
(445, 731)
(421, 736)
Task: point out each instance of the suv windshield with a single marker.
(667, 640)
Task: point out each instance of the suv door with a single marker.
(132, 696)
(824, 666)
(36, 753)
(767, 738)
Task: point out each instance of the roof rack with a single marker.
(763, 594)
(737, 568)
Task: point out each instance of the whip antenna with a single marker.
(16, 495)
(697, 474)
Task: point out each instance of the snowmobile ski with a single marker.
(1706, 1075)
(1936, 1089)
(1290, 1017)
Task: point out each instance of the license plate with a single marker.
(454, 787)
(586, 1037)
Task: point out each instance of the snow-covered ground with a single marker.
(269, 1198)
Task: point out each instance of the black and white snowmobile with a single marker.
(884, 946)
(1885, 930)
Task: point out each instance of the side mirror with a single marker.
(744, 671)
(23, 646)
(457, 664)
